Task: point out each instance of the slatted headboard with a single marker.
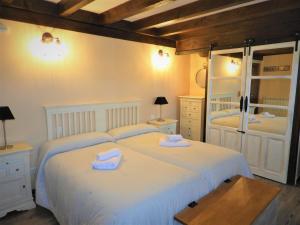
(223, 97)
(76, 119)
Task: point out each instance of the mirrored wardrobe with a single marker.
(250, 103)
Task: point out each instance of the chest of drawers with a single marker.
(15, 181)
(192, 117)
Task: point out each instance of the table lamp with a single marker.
(161, 101)
(5, 114)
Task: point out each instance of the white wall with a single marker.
(94, 69)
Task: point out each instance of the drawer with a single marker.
(190, 115)
(192, 132)
(190, 108)
(14, 190)
(11, 168)
(14, 158)
(190, 123)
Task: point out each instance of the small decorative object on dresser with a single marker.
(160, 101)
(167, 126)
(192, 117)
(15, 181)
(5, 114)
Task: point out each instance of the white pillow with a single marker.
(73, 142)
(133, 130)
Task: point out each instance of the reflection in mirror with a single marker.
(272, 62)
(225, 115)
(268, 120)
(229, 65)
(270, 92)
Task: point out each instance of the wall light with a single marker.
(161, 59)
(233, 66)
(48, 48)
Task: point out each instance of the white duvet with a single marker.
(142, 191)
(215, 163)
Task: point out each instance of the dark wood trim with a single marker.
(264, 30)
(128, 9)
(291, 179)
(68, 7)
(77, 22)
(197, 8)
(229, 17)
(205, 103)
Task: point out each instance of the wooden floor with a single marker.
(289, 211)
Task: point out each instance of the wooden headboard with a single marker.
(67, 120)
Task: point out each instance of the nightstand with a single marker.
(168, 126)
(15, 181)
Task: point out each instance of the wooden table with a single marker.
(242, 201)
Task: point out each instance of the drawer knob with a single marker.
(17, 169)
(7, 163)
(24, 186)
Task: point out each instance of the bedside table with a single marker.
(168, 126)
(15, 181)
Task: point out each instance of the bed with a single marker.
(145, 189)
(276, 125)
(215, 163)
(76, 194)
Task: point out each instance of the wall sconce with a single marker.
(162, 53)
(47, 38)
(48, 48)
(233, 66)
(161, 59)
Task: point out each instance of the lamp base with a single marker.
(160, 120)
(6, 147)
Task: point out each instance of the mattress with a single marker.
(142, 190)
(215, 163)
(277, 125)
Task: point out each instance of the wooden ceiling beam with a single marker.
(128, 9)
(264, 30)
(68, 7)
(45, 13)
(241, 14)
(197, 8)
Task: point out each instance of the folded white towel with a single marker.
(174, 137)
(165, 143)
(109, 164)
(252, 119)
(268, 115)
(114, 152)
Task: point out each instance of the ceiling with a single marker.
(188, 25)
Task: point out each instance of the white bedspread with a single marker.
(142, 191)
(215, 163)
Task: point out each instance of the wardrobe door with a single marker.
(268, 110)
(226, 84)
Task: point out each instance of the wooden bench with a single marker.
(239, 201)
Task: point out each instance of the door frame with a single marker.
(294, 146)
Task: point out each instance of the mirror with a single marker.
(200, 77)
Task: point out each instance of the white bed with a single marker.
(215, 163)
(148, 187)
(141, 191)
(277, 125)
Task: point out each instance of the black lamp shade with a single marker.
(5, 113)
(161, 101)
